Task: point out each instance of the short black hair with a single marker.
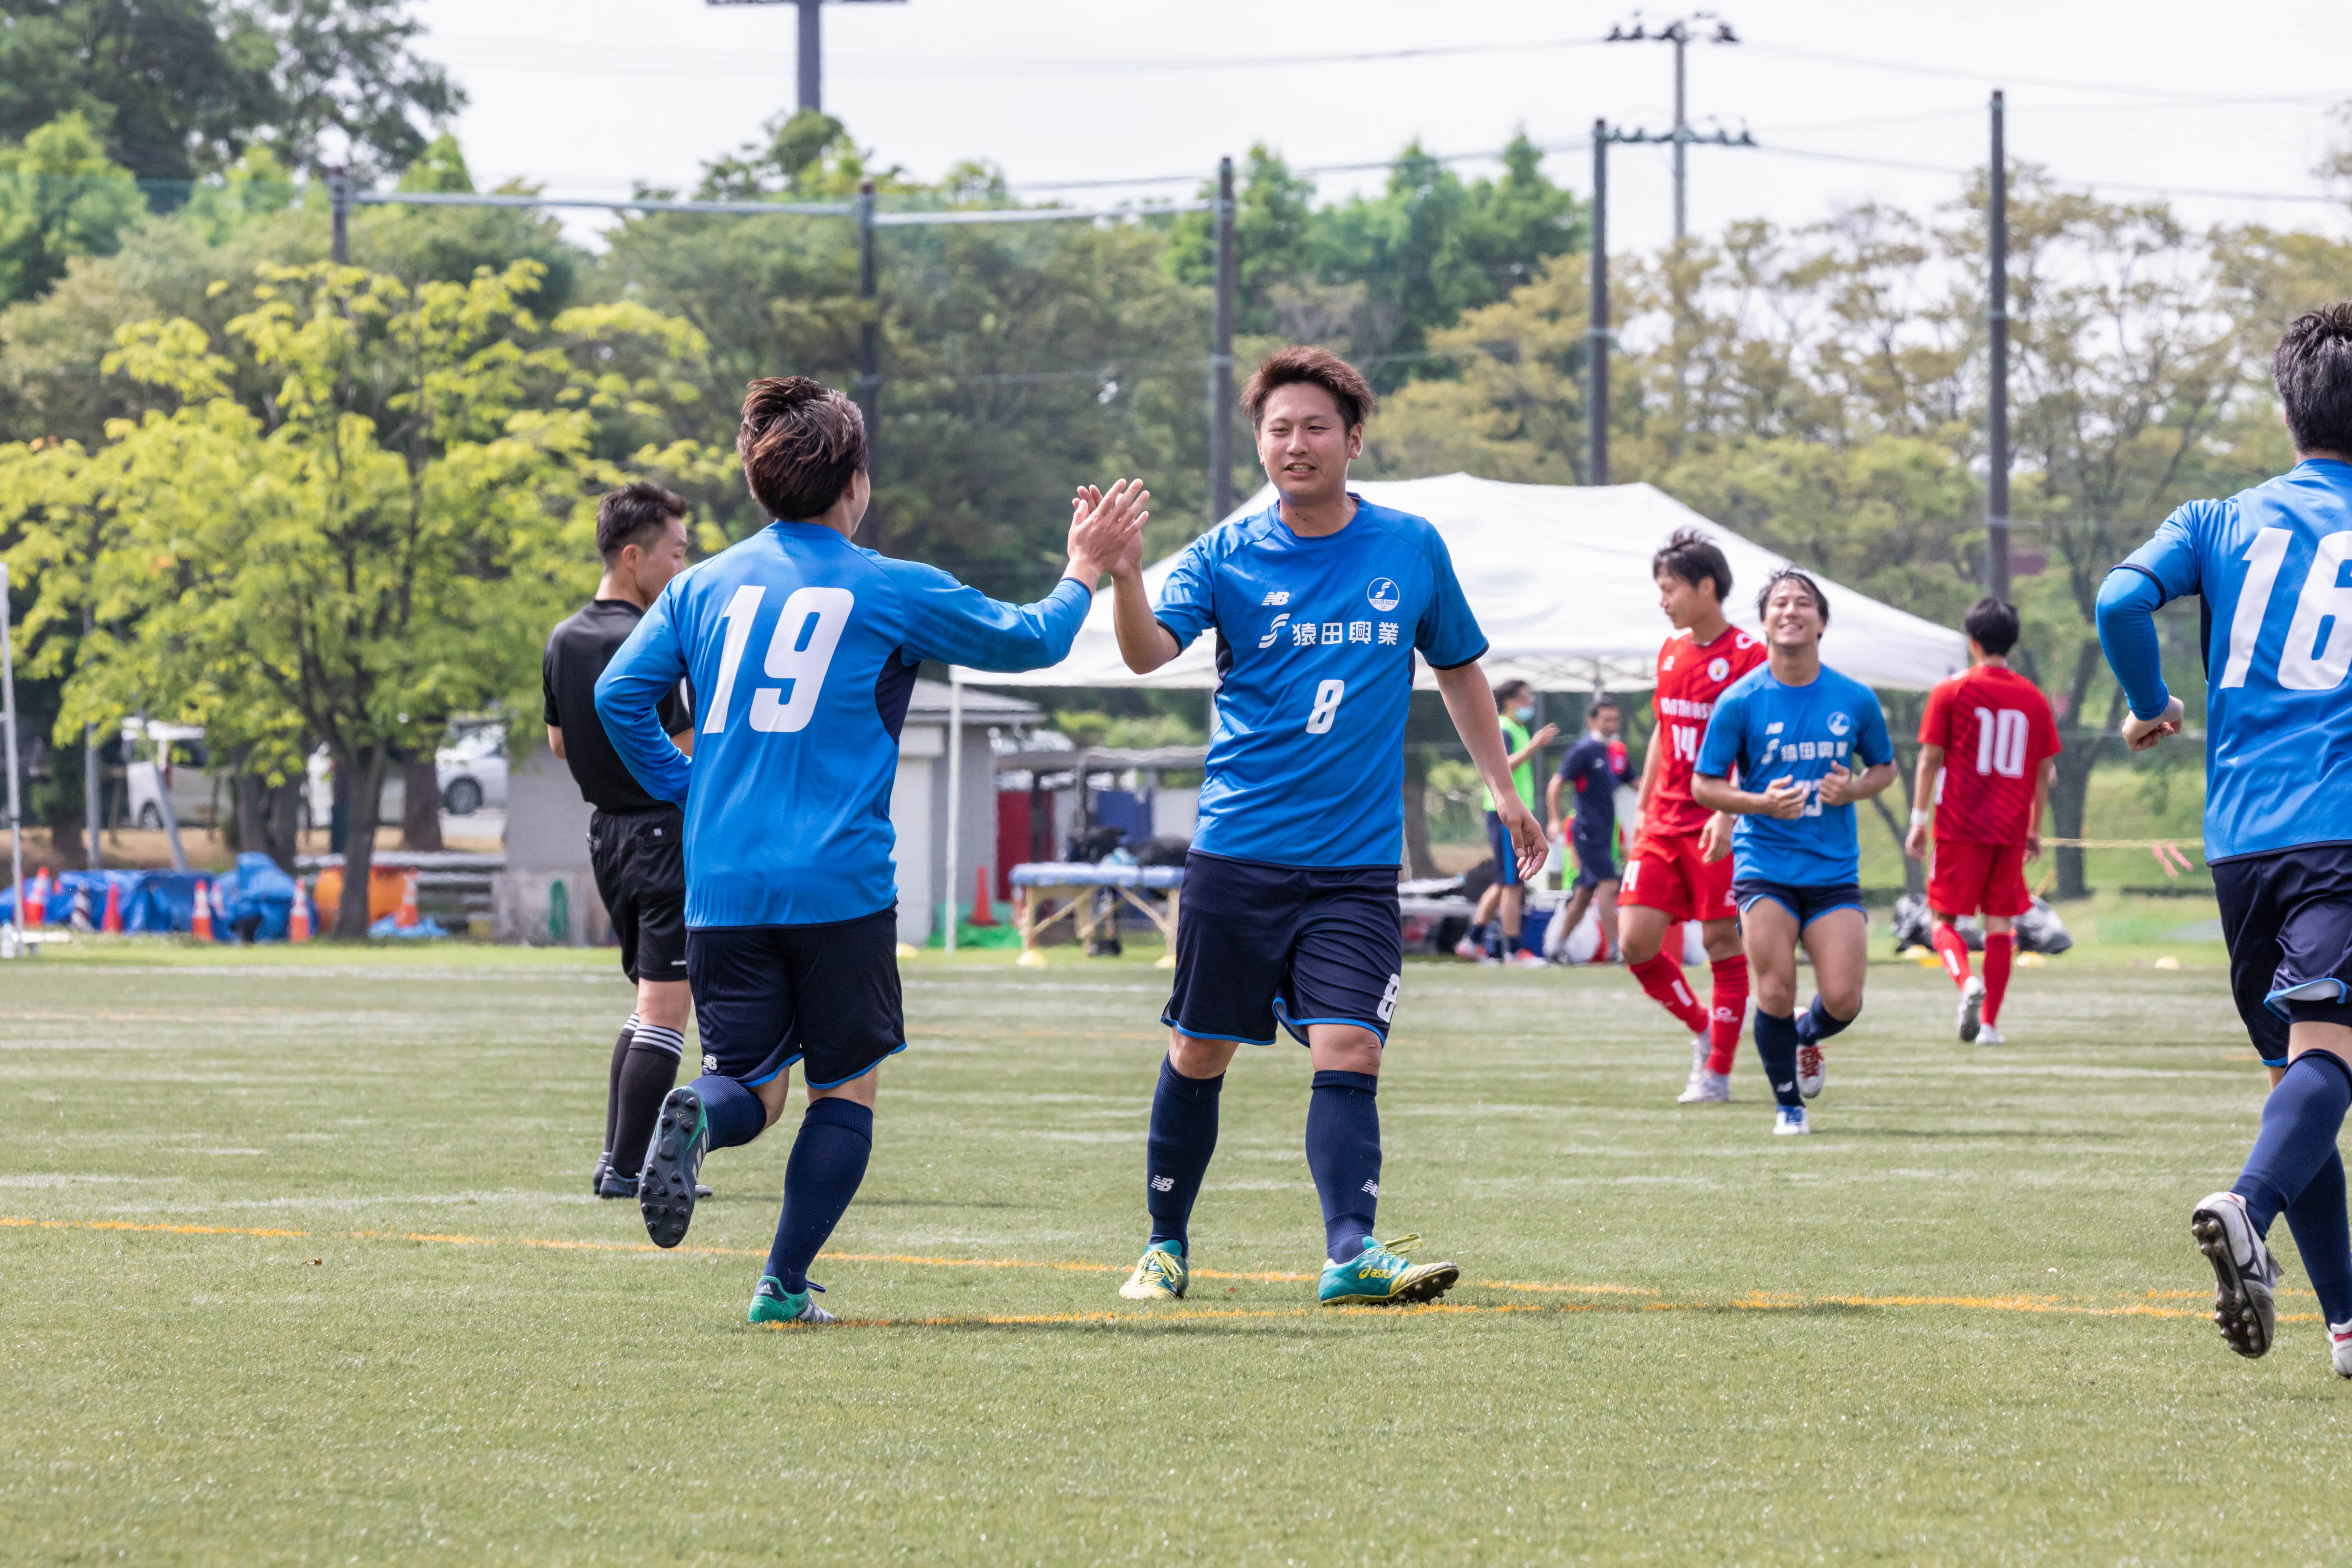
(1509, 689)
(635, 514)
(1598, 703)
(1790, 575)
(1695, 558)
(1991, 624)
(2313, 370)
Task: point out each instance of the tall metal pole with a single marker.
(811, 57)
(1996, 557)
(89, 790)
(16, 814)
(1221, 357)
(339, 203)
(1597, 334)
(955, 800)
(1680, 35)
(869, 331)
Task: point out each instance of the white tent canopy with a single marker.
(1558, 577)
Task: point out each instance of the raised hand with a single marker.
(1106, 530)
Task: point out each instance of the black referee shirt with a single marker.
(578, 649)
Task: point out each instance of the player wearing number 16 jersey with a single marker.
(1985, 745)
(2274, 565)
(802, 650)
(1321, 605)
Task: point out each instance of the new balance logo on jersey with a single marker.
(1279, 596)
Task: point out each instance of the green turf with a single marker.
(1751, 1366)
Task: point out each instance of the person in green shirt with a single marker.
(1501, 907)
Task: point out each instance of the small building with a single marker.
(548, 894)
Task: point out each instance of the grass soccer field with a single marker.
(297, 1264)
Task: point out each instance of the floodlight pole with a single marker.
(1221, 357)
(869, 330)
(1597, 332)
(16, 812)
(1996, 556)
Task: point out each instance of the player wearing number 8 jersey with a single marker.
(2274, 565)
(1985, 745)
(1320, 605)
(802, 650)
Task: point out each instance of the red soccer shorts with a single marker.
(1667, 875)
(1973, 879)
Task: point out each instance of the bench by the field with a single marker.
(1073, 884)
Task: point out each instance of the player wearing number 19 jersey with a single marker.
(802, 650)
(1321, 605)
(2272, 564)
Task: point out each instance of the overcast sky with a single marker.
(588, 96)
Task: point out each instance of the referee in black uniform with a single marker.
(635, 842)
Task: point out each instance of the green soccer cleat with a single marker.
(666, 1187)
(771, 1304)
(1380, 1274)
(1160, 1277)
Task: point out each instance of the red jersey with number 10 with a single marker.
(1690, 678)
(1996, 731)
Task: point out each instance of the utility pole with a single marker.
(1221, 357)
(90, 781)
(339, 203)
(15, 808)
(1678, 33)
(810, 58)
(1996, 556)
(869, 330)
(1597, 332)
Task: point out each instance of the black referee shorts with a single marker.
(639, 860)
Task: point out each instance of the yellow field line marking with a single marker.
(1749, 1301)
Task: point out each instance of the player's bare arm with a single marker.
(1922, 788)
(1536, 743)
(1471, 703)
(1784, 797)
(1715, 838)
(1551, 807)
(555, 742)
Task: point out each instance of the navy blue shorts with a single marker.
(2287, 918)
(1596, 858)
(1808, 904)
(1506, 858)
(824, 995)
(1258, 943)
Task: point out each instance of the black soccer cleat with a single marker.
(596, 1176)
(2245, 1276)
(666, 1187)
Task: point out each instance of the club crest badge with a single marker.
(1718, 669)
(1384, 593)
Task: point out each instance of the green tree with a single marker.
(59, 198)
(386, 546)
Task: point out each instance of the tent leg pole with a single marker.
(955, 797)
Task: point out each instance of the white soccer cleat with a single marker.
(1706, 1088)
(1792, 1121)
(1971, 1008)
(1523, 959)
(2245, 1276)
(1812, 1071)
(1989, 1036)
(2339, 1347)
(1468, 951)
(1702, 1049)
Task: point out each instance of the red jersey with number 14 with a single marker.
(1690, 678)
(1996, 731)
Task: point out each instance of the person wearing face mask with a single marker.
(1503, 905)
(1816, 741)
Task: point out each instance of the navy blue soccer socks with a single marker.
(735, 1113)
(2324, 1236)
(828, 1162)
(1776, 1045)
(1817, 1024)
(1343, 1149)
(1176, 1155)
(2296, 1169)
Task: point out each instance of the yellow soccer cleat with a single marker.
(1161, 1276)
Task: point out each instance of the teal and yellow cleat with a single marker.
(1160, 1277)
(1380, 1274)
(771, 1304)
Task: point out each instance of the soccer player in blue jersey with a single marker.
(1321, 604)
(802, 649)
(1796, 861)
(2270, 563)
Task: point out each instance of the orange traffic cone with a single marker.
(201, 926)
(298, 919)
(36, 898)
(406, 915)
(984, 912)
(111, 923)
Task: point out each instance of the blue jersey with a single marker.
(2274, 565)
(1765, 732)
(1315, 641)
(801, 648)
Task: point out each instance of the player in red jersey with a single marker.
(1671, 875)
(1989, 735)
